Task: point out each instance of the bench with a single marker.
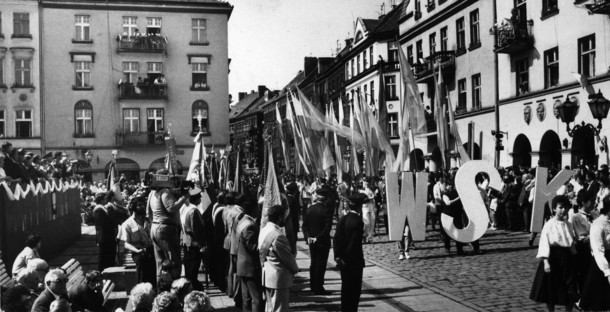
(75, 275)
(6, 280)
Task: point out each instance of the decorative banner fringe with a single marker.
(54, 186)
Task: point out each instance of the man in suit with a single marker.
(317, 222)
(347, 247)
(193, 237)
(592, 184)
(55, 288)
(277, 260)
(106, 229)
(248, 261)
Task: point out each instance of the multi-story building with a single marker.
(540, 44)
(119, 74)
(452, 36)
(20, 81)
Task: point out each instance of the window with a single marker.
(1, 35)
(352, 68)
(476, 91)
(83, 117)
(410, 54)
(23, 75)
(521, 10)
(366, 94)
(460, 34)
(392, 51)
(200, 108)
(21, 24)
(2, 83)
(130, 25)
(365, 61)
(358, 64)
(432, 43)
(131, 120)
(523, 76)
(347, 73)
(83, 74)
(155, 120)
(444, 39)
(2, 123)
(130, 72)
(393, 125)
(420, 51)
(462, 94)
(417, 7)
(372, 61)
(551, 67)
(372, 89)
(475, 37)
(199, 30)
(153, 25)
(200, 72)
(390, 87)
(153, 70)
(586, 56)
(23, 124)
(549, 6)
(82, 27)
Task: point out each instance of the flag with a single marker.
(338, 155)
(197, 173)
(112, 174)
(441, 123)
(354, 156)
(584, 83)
(298, 149)
(464, 157)
(278, 117)
(237, 178)
(272, 191)
(417, 115)
(382, 115)
(379, 138)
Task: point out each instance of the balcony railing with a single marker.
(142, 91)
(390, 66)
(444, 60)
(513, 37)
(599, 7)
(139, 139)
(152, 43)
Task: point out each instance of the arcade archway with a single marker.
(475, 152)
(550, 150)
(416, 160)
(583, 147)
(126, 166)
(522, 150)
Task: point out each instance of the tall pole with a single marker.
(497, 92)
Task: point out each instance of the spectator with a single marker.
(32, 244)
(106, 228)
(88, 295)
(197, 301)
(135, 232)
(165, 280)
(16, 299)
(3, 176)
(60, 305)
(180, 288)
(55, 287)
(29, 279)
(166, 302)
(41, 268)
(141, 298)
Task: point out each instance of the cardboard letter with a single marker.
(545, 193)
(472, 201)
(409, 204)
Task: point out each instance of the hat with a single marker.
(357, 199)
(47, 155)
(323, 191)
(6, 144)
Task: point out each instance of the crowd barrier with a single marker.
(51, 210)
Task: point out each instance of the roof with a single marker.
(370, 24)
(286, 89)
(390, 21)
(243, 105)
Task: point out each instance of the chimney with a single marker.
(261, 90)
(310, 65)
(382, 16)
(348, 42)
(241, 96)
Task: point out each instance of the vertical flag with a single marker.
(455, 133)
(237, 178)
(441, 123)
(278, 117)
(196, 171)
(338, 156)
(354, 156)
(272, 191)
(298, 148)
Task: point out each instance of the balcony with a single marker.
(140, 139)
(390, 66)
(599, 7)
(152, 43)
(424, 73)
(142, 91)
(512, 38)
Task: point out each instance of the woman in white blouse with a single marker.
(555, 281)
(596, 290)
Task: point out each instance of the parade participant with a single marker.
(106, 230)
(317, 223)
(437, 193)
(305, 192)
(220, 261)
(292, 196)
(277, 261)
(164, 210)
(193, 237)
(32, 245)
(594, 295)
(555, 280)
(347, 247)
(368, 212)
(55, 288)
(248, 262)
(592, 184)
(343, 191)
(88, 295)
(454, 208)
(135, 232)
(581, 222)
(231, 216)
(405, 243)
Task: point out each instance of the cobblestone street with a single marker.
(499, 279)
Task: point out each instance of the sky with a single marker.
(269, 39)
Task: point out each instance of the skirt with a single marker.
(559, 286)
(596, 290)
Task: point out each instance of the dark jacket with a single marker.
(317, 222)
(347, 243)
(83, 297)
(43, 302)
(106, 223)
(248, 261)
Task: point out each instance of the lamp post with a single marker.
(599, 106)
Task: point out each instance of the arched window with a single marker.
(83, 118)
(359, 36)
(200, 108)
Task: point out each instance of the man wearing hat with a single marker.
(192, 237)
(10, 165)
(347, 247)
(317, 223)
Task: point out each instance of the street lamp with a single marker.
(599, 106)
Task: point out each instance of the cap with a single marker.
(357, 199)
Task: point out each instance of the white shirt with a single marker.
(554, 233)
(437, 190)
(600, 242)
(580, 224)
(269, 227)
